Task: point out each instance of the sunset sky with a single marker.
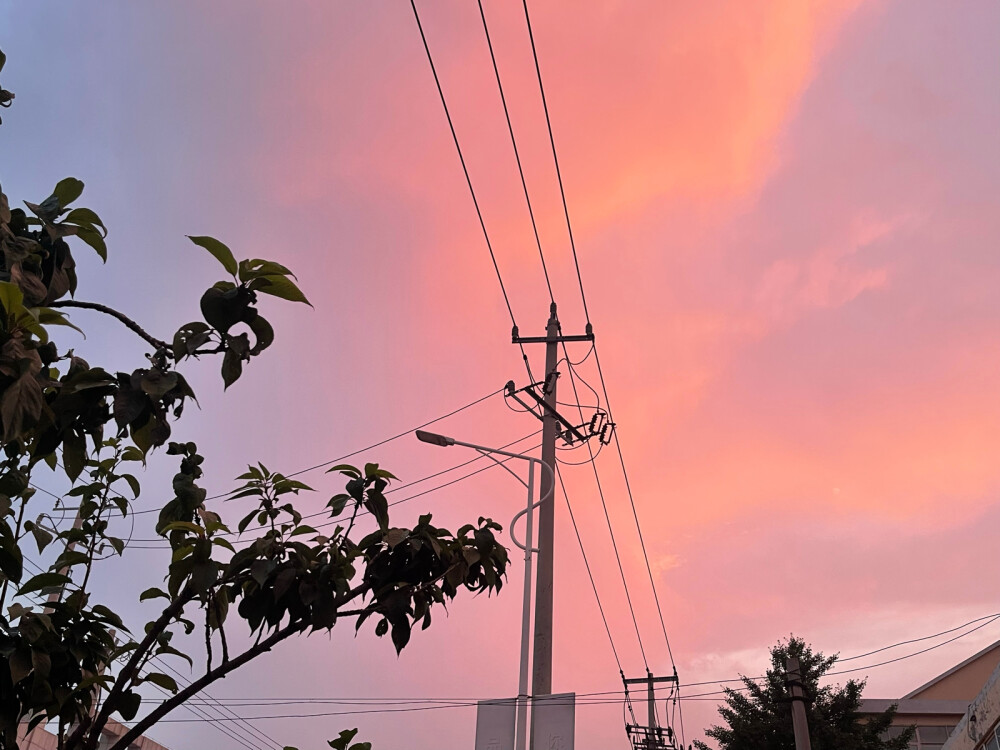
(786, 215)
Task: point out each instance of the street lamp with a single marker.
(522, 688)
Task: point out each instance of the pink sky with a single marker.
(786, 216)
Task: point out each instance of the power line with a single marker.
(352, 453)
(635, 514)
(161, 543)
(607, 517)
(517, 154)
(461, 158)
(555, 159)
(923, 638)
(586, 563)
(917, 653)
(210, 701)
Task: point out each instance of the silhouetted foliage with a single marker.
(275, 575)
(758, 716)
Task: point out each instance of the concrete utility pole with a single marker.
(541, 668)
(799, 722)
(541, 680)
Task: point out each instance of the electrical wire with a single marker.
(918, 640)
(461, 158)
(590, 575)
(555, 159)
(607, 517)
(517, 154)
(635, 513)
(359, 450)
(210, 701)
(162, 543)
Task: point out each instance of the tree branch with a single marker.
(129, 323)
(207, 679)
(222, 670)
(130, 669)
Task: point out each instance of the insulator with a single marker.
(596, 422)
(550, 381)
(606, 432)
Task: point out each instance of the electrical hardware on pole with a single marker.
(652, 736)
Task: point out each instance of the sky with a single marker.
(785, 215)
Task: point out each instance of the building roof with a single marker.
(964, 680)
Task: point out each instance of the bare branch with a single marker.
(129, 323)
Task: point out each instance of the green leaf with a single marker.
(337, 504)
(164, 681)
(186, 526)
(341, 742)
(74, 454)
(351, 471)
(68, 190)
(279, 286)
(93, 238)
(43, 581)
(11, 298)
(3, 59)
(49, 317)
(153, 593)
(255, 267)
(264, 333)
(220, 542)
(84, 217)
(42, 537)
(133, 484)
(219, 251)
(232, 367)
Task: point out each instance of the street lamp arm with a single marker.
(502, 464)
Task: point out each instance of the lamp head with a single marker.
(434, 439)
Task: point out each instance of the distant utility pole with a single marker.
(541, 683)
(799, 723)
(652, 736)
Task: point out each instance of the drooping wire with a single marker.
(607, 517)
(162, 543)
(918, 640)
(517, 154)
(635, 514)
(352, 453)
(555, 159)
(209, 701)
(468, 179)
(590, 575)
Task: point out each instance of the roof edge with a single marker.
(911, 706)
(950, 672)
